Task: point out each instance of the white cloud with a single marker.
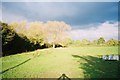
(9, 17)
(107, 30)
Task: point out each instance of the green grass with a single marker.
(79, 62)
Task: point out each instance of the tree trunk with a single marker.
(53, 45)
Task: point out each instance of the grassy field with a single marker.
(79, 62)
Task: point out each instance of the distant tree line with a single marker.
(99, 42)
(20, 37)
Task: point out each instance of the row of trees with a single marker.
(99, 42)
(23, 36)
(19, 37)
(52, 32)
(13, 43)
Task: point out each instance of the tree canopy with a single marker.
(101, 41)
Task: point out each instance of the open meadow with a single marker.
(76, 62)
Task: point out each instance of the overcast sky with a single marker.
(89, 20)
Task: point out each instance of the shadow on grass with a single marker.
(15, 66)
(94, 67)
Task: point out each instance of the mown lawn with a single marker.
(79, 62)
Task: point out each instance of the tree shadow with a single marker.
(94, 67)
(15, 66)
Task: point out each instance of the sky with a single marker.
(89, 20)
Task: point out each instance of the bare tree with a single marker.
(35, 32)
(57, 32)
